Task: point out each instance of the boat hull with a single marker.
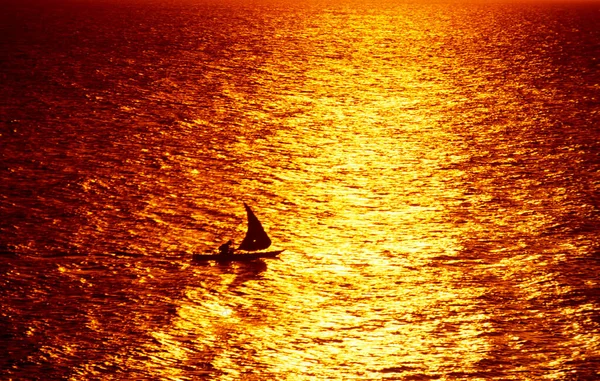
(236, 257)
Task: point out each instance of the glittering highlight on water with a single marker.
(432, 172)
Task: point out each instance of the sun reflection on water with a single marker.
(430, 185)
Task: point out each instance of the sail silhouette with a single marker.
(256, 238)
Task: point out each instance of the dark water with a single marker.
(432, 172)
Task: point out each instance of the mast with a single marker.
(256, 238)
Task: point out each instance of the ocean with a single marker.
(431, 171)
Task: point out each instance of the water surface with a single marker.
(430, 170)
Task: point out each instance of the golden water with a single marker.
(430, 170)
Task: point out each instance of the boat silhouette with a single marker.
(256, 239)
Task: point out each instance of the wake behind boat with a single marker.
(256, 239)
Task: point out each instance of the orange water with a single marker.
(430, 170)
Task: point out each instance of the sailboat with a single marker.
(256, 239)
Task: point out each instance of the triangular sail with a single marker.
(256, 238)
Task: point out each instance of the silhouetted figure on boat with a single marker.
(256, 239)
(225, 249)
